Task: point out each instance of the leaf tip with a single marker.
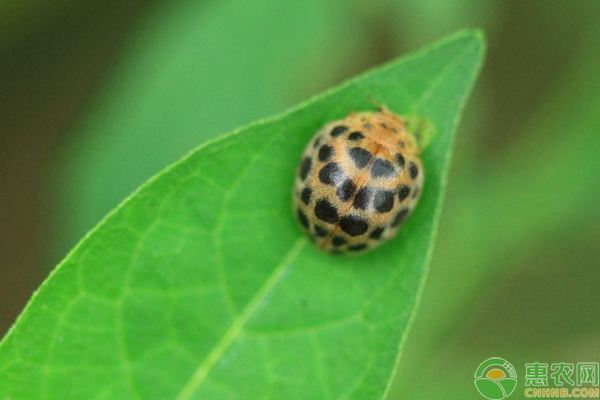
(477, 35)
(477, 41)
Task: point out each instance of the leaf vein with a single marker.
(205, 367)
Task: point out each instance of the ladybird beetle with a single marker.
(358, 180)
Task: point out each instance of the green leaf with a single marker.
(201, 285)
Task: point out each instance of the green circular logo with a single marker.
(496, 378)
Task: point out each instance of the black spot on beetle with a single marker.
(368, 126)
(346, 190)
(376, 234)
(402, 144)
(400, 160)
(360, 156)
(357, 247)
(416, 193)
(306, 195)
(384, 126)
(325, 153)
(317, 142)
(354, 136)
(383, 168)
(320, 231)
(305, 167)
(331, 174)
(338, 241)
(383, 201)
(339, 130)
(362, 198)
(303, 218)
(325, 211)
(403, 192)
(413, 170)
(353, 225)
(400, 217)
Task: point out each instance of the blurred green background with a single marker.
(99, 96)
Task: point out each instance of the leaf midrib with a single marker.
(239, 321)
